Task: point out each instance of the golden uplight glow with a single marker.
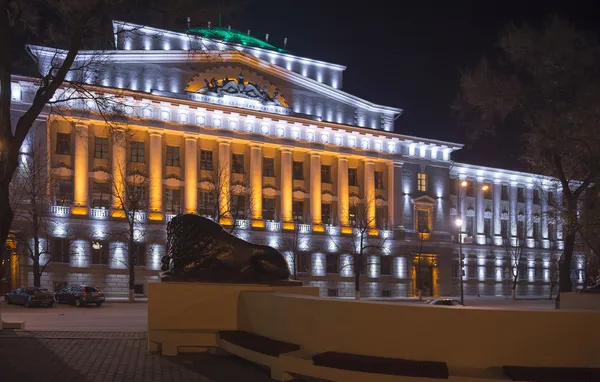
(155, 216)
(318, 228)
(373, 232)
(226, 221)
(464, 183)
(117, 213)
(79, 210)
(346, 230)
(288, 226)
(258, 224)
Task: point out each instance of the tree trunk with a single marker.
(358, 262)
(36, 262)
(564, 277)
(6, 218)
(551, 289)
(514, 287)
(131, 264)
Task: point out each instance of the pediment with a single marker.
(425, 199)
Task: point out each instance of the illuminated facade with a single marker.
(303, 155)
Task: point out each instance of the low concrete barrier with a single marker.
(462, 337)
(576, 300)
(185, 317)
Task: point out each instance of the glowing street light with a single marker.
(464, 183)
(459, 222)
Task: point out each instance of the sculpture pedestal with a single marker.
(185, 317)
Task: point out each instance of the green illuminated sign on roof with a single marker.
(233, 36)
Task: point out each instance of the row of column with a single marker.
(119, 160)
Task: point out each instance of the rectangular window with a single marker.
(422, 221)
(298, 211)
(332, 263)
(173, 156)
(138, 153)
(63, 144)
(470, 189)
(268, 211)
(455, 268)
(453, 186)
(487, 192)
(136, 198)
(237, 163)
(269, 167)
(238, 206)
(100, 252)
(332, 292)
(504, 228)
(536, 196)
(489, 270)
(470, 226)
(206, 203)
(61, 251)
(536, 230)
(386, 293)
(325, 174)
(139, 254)
(297, 172)
(551, 232)
(537, 272)
(352, 216)
(353, 177)
(380, 220)
(521, 234)
(422, 181)
(304, 262)
(172, 201)
(101, 195)
(504, 194)
(385, 263)
(520, 195)
(522, 271)
(487, 227)
(326, 213)
(379, 180)
(551, 199)
(472, 270)
(100, 148)
(63, 192)
(206, 160)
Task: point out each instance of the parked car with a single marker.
(30, 297)
(80, 295)
(443, 301)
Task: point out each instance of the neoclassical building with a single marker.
(297, 160)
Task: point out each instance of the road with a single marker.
(110, 317)
(125, 317)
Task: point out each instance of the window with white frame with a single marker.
(422, 181)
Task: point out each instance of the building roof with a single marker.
(233, 36)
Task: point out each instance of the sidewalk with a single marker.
(125, 299)
(110, 357)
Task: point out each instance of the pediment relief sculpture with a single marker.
(239, 87)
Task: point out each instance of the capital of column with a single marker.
(314, 153)
(80, 125)
(285, 149)
(155, 132)
(255, 145)
(514, 183)
(529, 186)
(480, 180)
(369, 161)
(190, 137)
(497, 181)
(396, 164)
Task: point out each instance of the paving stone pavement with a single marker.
(110, 357)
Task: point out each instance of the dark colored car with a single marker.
(30, 297)
(443, 301)
(80, 295)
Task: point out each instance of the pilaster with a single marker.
(343, 192)
(156, 175)
(315, 188)
(286, 184)
(224, 186)
(191, 174)
(369, 187)
(256, 184)
(81, 161)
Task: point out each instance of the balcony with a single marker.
(304, 228)
(273, 226)
(60, 210)
(242, 224)
(99, 213)
(168, 217)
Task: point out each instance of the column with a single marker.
(315, 187)
(119, 174)
(512, 198)
(191, 174)
(369, 193)
(559, 226)
(480, 211)
(529, 213)
(544, 216)
(461, 197)
(497, 195)
(398, 195)
(224, 180)
(343, 192)
(286, 184)
(256, 181)
(81, 169)
(390, 196)
(156, 177)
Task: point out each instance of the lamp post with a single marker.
(459, 223)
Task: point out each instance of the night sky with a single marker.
(408, 55)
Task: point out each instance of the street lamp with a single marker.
(459, 224)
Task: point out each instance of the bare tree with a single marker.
(545, 83)
(31, 204)
(514, 248)
(554, 273)
(291, 242)
(362, 243)
(130, 185)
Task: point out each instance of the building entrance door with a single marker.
(423, 275)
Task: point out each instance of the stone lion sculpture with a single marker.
(199, 249)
